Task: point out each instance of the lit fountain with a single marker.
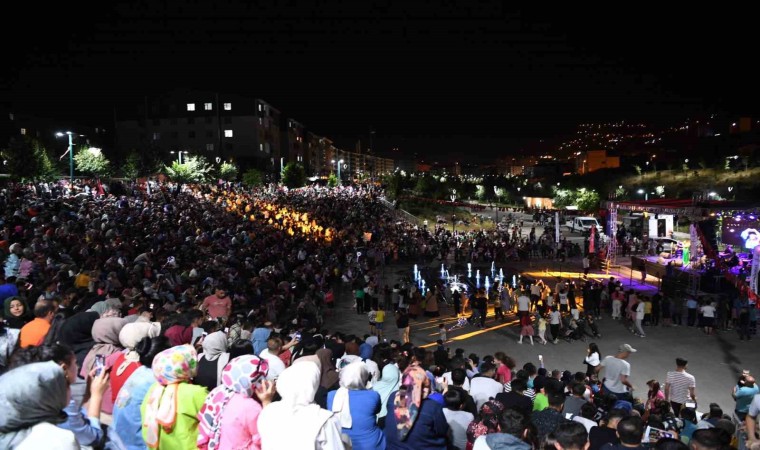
(477, 278)
(488, 286)
(469, 270)
(443, 272)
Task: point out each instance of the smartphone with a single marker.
(226, 331)
(298, 336)
(152, 306)
(655, 434)
(100, 364)
(28, 286)
(691, 405)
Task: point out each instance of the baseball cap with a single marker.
(626, 348)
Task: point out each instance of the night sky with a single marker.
(437, 78)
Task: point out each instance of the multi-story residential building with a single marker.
(593, 160)
(293, 145)
(203, 123)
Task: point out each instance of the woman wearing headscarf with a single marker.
(415, 421)
(316, 427)
(357, 408)
(229, 417)
(16, 314)
(328, 379)
(125, 430)
(387, 384)
(128, 360)
(105, 333)
(487, 423)
(170, 408)
(76, 333)
(212, 361)
(27, 424)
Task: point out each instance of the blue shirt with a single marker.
(364, 406)
(7, 290)
(126, 428)
(86, 429)
(744, 397)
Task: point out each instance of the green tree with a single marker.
(27, 159)
(293, 175)
(195, 169)
(131, 167)
(253, 178)
(586, 199)
(426, 186)
(332, 180)
(92, 161)
(228, 171)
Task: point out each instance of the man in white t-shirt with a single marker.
(616, 372)
(483, 387)
(271, 354)
(680, 386)
(523, 304)
(457, 419)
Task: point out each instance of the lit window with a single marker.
(12, 117)
(227, 133)
(207, 106)
(209, 147)
(259, 106)
(261, 120)
(191, 106)
(228, 106)
(23, 131)
(156, 136)
(261, 147)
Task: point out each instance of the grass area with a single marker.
(678, 183)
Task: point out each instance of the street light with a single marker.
(646, 194)
(340, 181)
(496, 193)
(453, 210)
(179, 154)
(71, 155)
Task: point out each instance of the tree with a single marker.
(253, 178)
(586, 199)
(332, 180)
(131, 167)
(426, 186)
(228, 171)
(27, 159)
(92, 161)
(293, 175)
(195, 169)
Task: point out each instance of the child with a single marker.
(372, 315)
(526, 328)
(542, 329)
(379, 319)
(442, 332)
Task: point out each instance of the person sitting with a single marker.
(514, 434)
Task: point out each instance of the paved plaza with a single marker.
(715, 361)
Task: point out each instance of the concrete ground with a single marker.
(715, 361)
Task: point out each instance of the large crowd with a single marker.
(194, 317)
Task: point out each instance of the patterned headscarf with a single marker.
(170, 367)
(240, 376)
(415, 387)
(488, 423)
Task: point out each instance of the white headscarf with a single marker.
(297, 386)
(352, 377)
(215, 348)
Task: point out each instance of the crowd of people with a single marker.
(193, 317)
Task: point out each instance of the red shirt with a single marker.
(217, 307)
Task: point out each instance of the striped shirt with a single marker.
(679, 383)
(528, 392)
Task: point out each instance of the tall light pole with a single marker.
(453, 211)
(71, 155)
(496, 193)
(179, 155)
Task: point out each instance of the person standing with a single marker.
(523, 302)
(456, 297)
(593, 359)
(638, 317)
(217, 305)
(555, 322)
(402, 323)
(616, 372)
(680, 386)
(744, 391)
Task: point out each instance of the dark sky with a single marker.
(472, 71)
